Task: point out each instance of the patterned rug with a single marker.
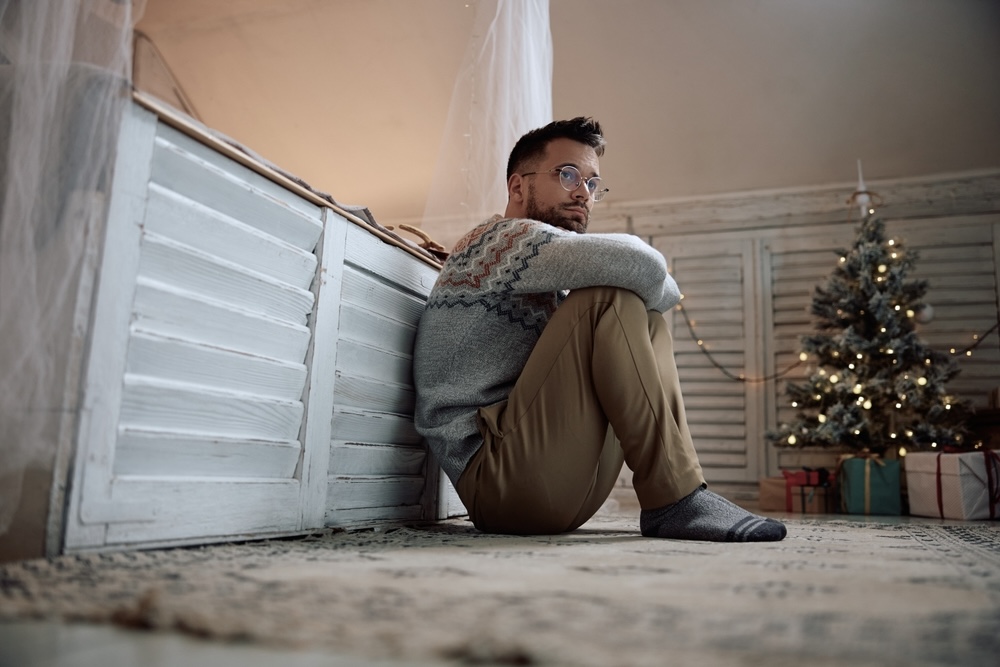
(835, 591)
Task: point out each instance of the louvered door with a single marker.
(718, 283)
(792, 268)
(958, 259)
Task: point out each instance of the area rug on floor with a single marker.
(833, 592)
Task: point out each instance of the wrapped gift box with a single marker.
(962, 485)
(809, 491)
(772, 494)
(869, 485)
(804, 491)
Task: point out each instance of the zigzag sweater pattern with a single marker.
(488, 307)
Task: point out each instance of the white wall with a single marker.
(697, 97)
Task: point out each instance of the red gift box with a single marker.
(809, 491)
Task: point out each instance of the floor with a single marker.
(54, 644)
(57, 644)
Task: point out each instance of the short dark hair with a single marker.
(532, 146)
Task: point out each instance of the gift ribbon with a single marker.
(992, 483)
(940, 497)
(940, 494)
(868, 486)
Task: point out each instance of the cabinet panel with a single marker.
(197, 380)
(378, 468)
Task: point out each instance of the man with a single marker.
(542, 362)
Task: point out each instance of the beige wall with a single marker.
(698, 97)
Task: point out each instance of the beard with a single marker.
(564, 216)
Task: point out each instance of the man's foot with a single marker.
(704, 515)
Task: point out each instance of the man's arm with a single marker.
(565, 260)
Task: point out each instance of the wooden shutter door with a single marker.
(791, 270)
(717, 279)
(958, 259)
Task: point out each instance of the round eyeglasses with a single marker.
(570, 179)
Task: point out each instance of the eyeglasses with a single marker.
(571, 178)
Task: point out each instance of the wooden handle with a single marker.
(426, 241)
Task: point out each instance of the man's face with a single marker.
(547, 201)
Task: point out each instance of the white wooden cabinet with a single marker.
(249, 364)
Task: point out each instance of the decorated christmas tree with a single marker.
(873, 384)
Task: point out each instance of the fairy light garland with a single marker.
(978, 340)
(803, 357)
(725, 371)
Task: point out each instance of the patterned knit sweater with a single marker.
(497, 290)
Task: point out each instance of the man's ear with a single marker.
(515, 188)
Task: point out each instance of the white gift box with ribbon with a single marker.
(963, 485)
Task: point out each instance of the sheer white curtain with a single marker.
(64, 68)
(503, 90)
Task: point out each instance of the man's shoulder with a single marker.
(505, 234)
(489, 261)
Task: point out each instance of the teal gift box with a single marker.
(869, 485)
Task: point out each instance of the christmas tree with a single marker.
(875, 386)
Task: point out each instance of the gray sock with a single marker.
(704, 515)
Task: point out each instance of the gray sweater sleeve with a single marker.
(570, 261)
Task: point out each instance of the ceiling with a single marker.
(696, 97)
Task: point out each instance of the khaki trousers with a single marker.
(603, 367)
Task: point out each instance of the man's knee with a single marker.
(607, 294)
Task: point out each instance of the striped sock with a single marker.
(703, 515)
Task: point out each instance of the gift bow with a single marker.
(992, 483)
